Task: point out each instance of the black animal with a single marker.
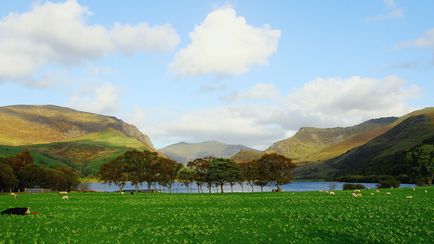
(16, 211)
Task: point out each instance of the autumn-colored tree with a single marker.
(201, 168)
(275, 168)
(167, 172)
(114, 172)
(249, 173)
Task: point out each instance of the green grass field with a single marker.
(312, 217)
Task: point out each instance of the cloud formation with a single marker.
(322, 102)
(102, 100)
(426, 41)
(57, 33)
(224, 44)
(393, 12)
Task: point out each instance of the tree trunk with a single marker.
(221, 188)
(262, 188)
(252, 187)
(232, 188)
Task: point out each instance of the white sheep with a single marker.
(332, 193)
(388, 193)
(357, 191)
(426, 191)
(14, 195)
(65, 198)
(409, 197)
(63, 192)
(356, 194)
(414, 189)
(378, 191)
(122, 193)
(372, 194)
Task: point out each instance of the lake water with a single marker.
(294, 186)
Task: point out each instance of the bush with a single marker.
(349, 186)
(389, 184)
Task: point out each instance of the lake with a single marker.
(294, 186)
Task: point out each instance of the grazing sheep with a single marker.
(332, 193)
(409, 197)
(63, 192)
(372, 194)
(122, 193)
(65, 198)
(414, 189)
(388, 193)
(357, 190)
(378, 191)
(14, 195)
(356, 194)
(426, 191)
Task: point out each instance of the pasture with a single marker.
(223, 218)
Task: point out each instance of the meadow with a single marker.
(223, 218)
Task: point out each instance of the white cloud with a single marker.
(393, 12)
(102, 100)
(260, 91)
(322, 102)
(224, 44)
(427, 40)
(57, 33)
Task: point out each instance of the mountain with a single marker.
(245, 156)
(62, 136)
(384, 154)
(317, 144)
(184, 152)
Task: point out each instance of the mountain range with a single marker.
(184, 152)
(62, 136)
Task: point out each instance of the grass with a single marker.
(223, 218)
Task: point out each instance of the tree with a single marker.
(8, 180)
(31, 176)
(72, 179)
(423, 157)
(201, 168)
(249, 173)
(275, 168)
(114, 172)
(167, 172)
(223, 171)
(21, 160)
(138, 167)
(186, 176)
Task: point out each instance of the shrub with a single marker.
(389, 184)
(349, 186)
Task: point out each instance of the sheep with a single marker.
(378, 191)
(356, 194)
(65, 198)
(122, 193)
(388, 193)
(332, 193)
(426, 191)
(409, 197)
(63, 192)
(357, 191)
(14, 195)
(372, 194)
(414, 189)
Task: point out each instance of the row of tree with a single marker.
(20, 172)
(139, 167)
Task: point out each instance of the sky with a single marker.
(241, 72)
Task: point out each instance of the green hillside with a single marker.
(382, 155)
(316, 144)
(62, 136)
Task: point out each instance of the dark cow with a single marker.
(16, 211)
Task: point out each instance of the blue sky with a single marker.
(241, 72)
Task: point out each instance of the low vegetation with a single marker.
(403, 216)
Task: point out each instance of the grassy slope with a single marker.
(85, 153)
(311, 217)
(63, 136)
(382, 154)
